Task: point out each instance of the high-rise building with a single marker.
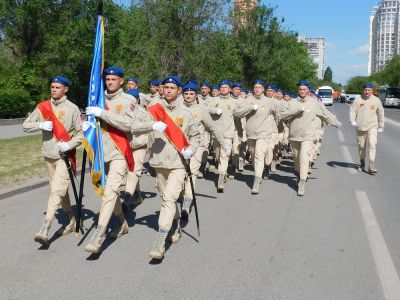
(384, 39)
(241, 9)
(316, 49)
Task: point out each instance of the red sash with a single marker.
(173, 133)
(122, 143)
(58, 128)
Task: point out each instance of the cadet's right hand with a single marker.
(225, 148)
(159, 126)
(46, 125)
(354, 124)
(255, 107)
(219, 111)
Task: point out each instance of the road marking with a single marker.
(393, 122)
(387, 272)
(340, 135)
(348, 159)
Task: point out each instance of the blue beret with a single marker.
(216, 87)
(304, 83)
(246, 91)
(237, 84)
(60, 79)
(134, 93)
(270, 86)
(259, 81)
(154, 83)
(190, 86)
(114, 70)
(225, 82)
(207, 84)
(172, 79)
(368, 85)
(135, 80)
(280, 91)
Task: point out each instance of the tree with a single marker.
(328, 75)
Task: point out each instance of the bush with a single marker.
(15, 103)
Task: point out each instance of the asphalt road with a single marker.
(339, 241)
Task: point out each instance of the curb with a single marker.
(35, 184)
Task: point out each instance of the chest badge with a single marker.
(179, 122)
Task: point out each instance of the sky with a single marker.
(343, 23)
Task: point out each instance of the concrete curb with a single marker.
(29, 186)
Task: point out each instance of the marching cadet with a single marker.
(222, 110)
(368, 117)
(139, 149)
(270, 92)
(281, 105)
(215, 91)
(205, 125)
(204, 96)
(300, 115)
(133, 83)
(240, 141)
(167, 159)
(60, 123)
(154, 95)
(117, 154)
(260, 113)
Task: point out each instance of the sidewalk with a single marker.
(28, 185)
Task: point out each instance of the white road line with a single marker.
(387, 272)
(340, 135)
(393, 122)
(348, 159)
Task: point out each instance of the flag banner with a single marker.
(93, 141)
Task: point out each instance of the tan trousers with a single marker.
(132, 180)
(302, 155)
(372, 137)
(195, 163)
(285, 138)
(170, 185)
(223, 157)
(317, 143)
(261, 153)
(59, 183)
(111, 203)
(207, 140)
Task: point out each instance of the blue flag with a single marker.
(93, 141)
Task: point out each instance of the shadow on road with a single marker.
(334, 164)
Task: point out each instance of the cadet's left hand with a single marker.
(380, 130)
(63, 146)
(187, 153)
(92, 110)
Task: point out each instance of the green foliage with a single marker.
(150, 39)
(354, 86)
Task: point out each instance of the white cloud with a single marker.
(361, 50)
(342, 73)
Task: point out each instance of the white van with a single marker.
(326, 93)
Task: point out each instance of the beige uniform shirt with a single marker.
(139, 116)
(69, 115)
(203, 121)
(205, 101)
(120, 113)
(162, 153)
(260, 123)
(150, 98)
(367, 113)
(302, 125)
(225, 121)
